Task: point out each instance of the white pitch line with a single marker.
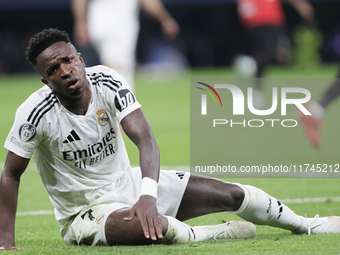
(285, 201)
(43, 212)
(32, 167)
(310, 200)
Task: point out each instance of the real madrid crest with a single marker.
(102, 117)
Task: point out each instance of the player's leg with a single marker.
(121, 232)
(312, 123)
(331, 93)
(263, 49)
(206, 195)
(171, 187)
(263, 44)
(260, 208)
(255, 38)
(104, 224)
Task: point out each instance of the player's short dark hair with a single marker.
(42, 40)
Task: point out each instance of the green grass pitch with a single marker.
(166, 105)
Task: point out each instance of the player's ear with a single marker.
(43, 80)
(81, 58)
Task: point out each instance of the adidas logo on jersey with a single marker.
(73, 136)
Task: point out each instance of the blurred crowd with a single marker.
(209, 34)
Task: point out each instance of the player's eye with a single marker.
(68, 59)
(52, 70)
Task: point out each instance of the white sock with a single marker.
(260, 208)
(179, 232)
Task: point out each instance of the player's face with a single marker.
(63, 70)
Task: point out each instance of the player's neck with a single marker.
(78, 106)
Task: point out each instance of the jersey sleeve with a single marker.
(125, 102)
(122, 99)
(23, 137)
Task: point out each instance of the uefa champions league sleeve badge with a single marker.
(27, 132)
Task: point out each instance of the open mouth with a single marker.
(73, 84)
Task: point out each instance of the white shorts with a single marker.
(88, 226)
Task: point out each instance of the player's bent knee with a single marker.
(237, 194)
(121, 232)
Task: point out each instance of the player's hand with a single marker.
(170, 28)
(145, 209)
(9, 247)
(80, 34)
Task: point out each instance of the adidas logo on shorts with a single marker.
(180, 174)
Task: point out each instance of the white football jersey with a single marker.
(79, 158)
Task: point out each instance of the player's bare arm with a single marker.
(9, 186)
(137, 128)
(79, 11)
(304, 8)
(156, 9)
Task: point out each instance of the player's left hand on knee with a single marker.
(146, 211)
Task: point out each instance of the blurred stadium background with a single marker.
(210, 39)
(210, 33)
